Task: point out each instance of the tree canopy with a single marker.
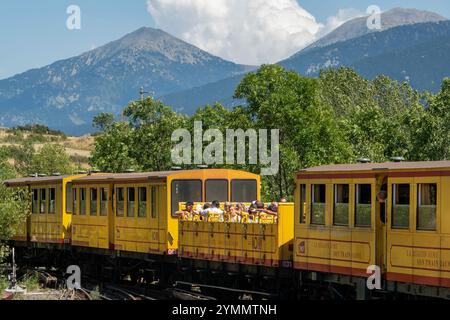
(335, 118)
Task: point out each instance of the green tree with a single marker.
(113, 148)
(309, 133)
(152, 125)
(50, 159)
(14, 207)
(103, 121)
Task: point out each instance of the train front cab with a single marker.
(343, 226)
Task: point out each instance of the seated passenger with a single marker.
(273, 206)
(188, 213)
(228, 208)
(265, 215)
(214, 213)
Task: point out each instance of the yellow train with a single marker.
(394, 215)
(347, 221)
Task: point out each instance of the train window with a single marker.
(400, 206)
(43, 201)
(363, 207)
(82, 201)
(303, 203)
(103, 202)
(142, 202)
(130, 202)
(35, 203)
(52, 200)
(69, 199)
(341, 204)
(154, 199)
(93, 202)
(216, 190)
(318, 202)
(120, 198)
(74, 201)
(243, 190)
(426, 207)
(185, 190)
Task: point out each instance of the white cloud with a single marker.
(342, 16)
(244, 31)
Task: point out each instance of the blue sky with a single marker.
(34, 33)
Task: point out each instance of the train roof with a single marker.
(35, 180)
(108, 177)
(142, 176)
(132, 176)
(385, 166)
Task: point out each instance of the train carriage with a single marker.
(136, 212)
(49, 222)
(394, 215)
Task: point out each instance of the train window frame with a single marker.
(232, 198)
(69, 195)
(174, 209)
(35, 202)
(358, 205)
(303, 202)
(103, 191)
(335, 191)
(154, 198)
(83, 202)
(91, 213)
(122, 215)
(52, 206)
(43, 201)
(227, 197)
(312, 220)
(418, 205)
(395, 205)
(140, 202)
(74, 201)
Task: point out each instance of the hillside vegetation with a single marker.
(18, 143)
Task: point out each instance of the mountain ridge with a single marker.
(68, 93)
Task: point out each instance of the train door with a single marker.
(381, 222)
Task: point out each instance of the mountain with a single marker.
(401, 50)
(358, 27)
(67, 94)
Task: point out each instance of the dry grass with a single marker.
(76, 147)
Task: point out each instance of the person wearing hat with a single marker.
(188, 213)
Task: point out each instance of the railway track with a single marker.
(217, 292)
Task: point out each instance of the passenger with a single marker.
(198, 213)
(283, 200)
(188, 213)
(234, 216)
(253, 212)
(241, 212)
(214, 213)
(228, 209)
(204, 212)
(273, 206)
